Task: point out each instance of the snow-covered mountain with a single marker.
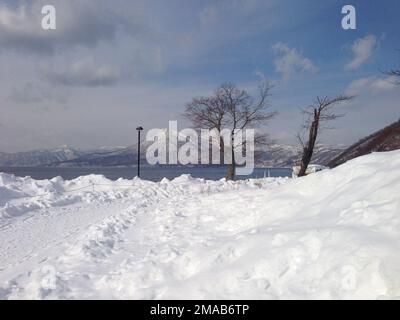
(274, 156)
(38, 157)
(54, 157)
(118, 156)
(287, 156)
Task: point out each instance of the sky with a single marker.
(113, 65)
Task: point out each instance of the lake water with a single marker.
(153, 173)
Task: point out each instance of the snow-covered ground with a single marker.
(334, 234)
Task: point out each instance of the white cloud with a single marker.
(84, 73)
(33, 92)
(371, 84)
(291, 61)
(362, 51)
(79, 23)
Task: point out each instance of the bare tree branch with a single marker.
(317, 113)
(232, 108)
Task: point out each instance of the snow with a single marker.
(334, 234)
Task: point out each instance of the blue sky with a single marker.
(112, 65)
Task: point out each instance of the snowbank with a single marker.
(331, 235)
(22, 195)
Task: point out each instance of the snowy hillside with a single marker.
(386, 139)
(334, 234)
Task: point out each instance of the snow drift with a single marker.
(331, 235)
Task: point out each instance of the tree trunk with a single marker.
(232, 167)
(308, 150)
(231, 172)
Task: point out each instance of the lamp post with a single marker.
(138, 159)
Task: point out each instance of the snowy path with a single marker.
(89, 237)
(335, 234)
(43, 234)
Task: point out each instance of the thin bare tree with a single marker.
(231, 108)
(395, 73)
(320, 111)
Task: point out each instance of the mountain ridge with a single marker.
(276, 156)
(386, 139)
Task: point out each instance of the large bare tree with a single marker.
(231, 108)
(320, 111)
